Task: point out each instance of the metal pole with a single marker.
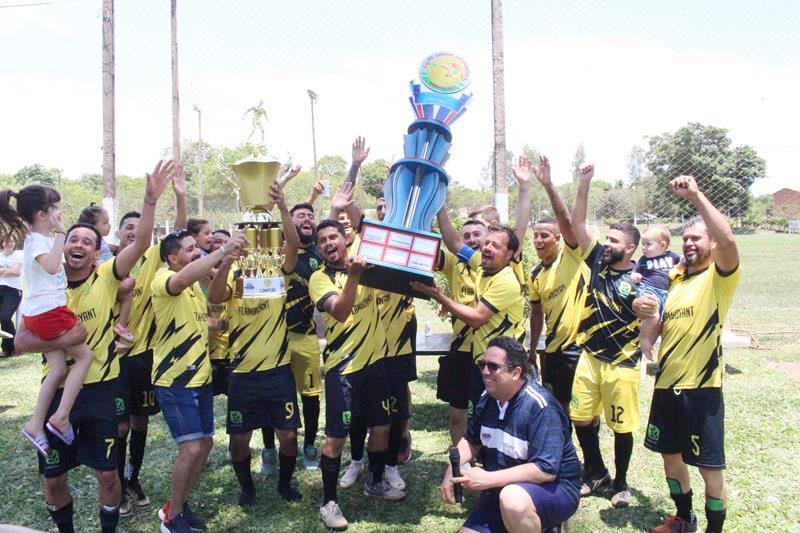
(176, 103)
(109, 155)
(500, 167)
(199, 157)
(313, 97)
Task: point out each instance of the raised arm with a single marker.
(179, 188)
(523, 169)
(156, 183)
(343, 201)
(360, 151)
(450, 235)
(51, 261)
(292, 241)
(195, 270)
(316, 191)
(556, 202)
(582, 235)
(218, 290)
(340, 306)
(725, 252)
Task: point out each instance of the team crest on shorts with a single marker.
(120, 406)
(53, 458)
(346, 417)
(235, 417)
(653, 433)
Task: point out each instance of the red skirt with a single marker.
(52, 323)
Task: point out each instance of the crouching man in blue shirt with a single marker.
(530, 480)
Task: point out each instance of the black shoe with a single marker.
(290, 494)
(179, 524)
(195, 522)
(592, 484)
(136, 492)
(247, 498)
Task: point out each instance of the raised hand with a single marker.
(543, 172)
(235, 245)
(156, 181)
(288, 173)
(57, 221)
(360, 150)
(179, 181)
(523, 169)
(278, 198)
(357, 266)
(343, 197)
(685, 187)
(586, 172)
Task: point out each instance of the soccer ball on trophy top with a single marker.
(402, 247)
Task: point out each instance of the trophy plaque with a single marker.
(402, 248)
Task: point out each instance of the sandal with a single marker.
(40, 442)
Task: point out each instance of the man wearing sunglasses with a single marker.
(530, 480)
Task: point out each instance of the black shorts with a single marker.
(690, 422)
(558, 372)
(363, 394)
(142, 397)
(94, 420)
(220, 371)
(396, 373)
(459, 382)
(262, 399)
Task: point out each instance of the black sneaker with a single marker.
(247, 498)
(290, 494)
(179, 524)
(195, 522)
(593, 484)
(137, 494)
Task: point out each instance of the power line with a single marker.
(25, 5)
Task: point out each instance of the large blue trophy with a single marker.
(402, 248)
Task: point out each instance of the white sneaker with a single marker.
(331, 515)
(351, 475)
(392, 476)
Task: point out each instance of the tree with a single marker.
(37, 173)
(373, 177)
(577, 160)
(724, 173)
(640, 181)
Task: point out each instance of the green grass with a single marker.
(762, 439)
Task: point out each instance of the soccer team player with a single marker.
(195, 336)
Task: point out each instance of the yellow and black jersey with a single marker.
(609, 329)
(218, 338)
(180, 345)
(697, 305)
(560, 288)
(259, 339)
(399, 321)
(93, 300)
(517, 267)
(141, 321)
(503, 294)
(299, 308)
(361, 338)
(462, 279)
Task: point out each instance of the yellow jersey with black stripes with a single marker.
(609, 329)
(399, 321)
(180, 345)
(560, 288)
(218, 338)
(461, 278)
(141, 321)
(259, 338)
(697, 306)
(361, 338)
(94, 300)
(299, 308)
(502, 293)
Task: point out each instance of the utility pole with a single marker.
(498, 68)
(109, 156)
(176, 102)
(314, 97)
(199, 157)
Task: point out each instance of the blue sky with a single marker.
(605, 73)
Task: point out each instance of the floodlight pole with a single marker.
(313, 98)
(109, 146)
(199, 157)
(176, 103)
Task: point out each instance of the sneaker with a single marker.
(195, 522)
(621, 499)
(675, 524)
(592, 485)
(268, 456)
(228, 457)
(310, 458)
(351, 475)
(289, 493)
(126, 506)
(137, 495)
(332, 516)
(383, 490)
(179, 524)
(404, 455)
(392, 476)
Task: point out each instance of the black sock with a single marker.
(589, 441)
(268, 434)
(623, 449)
(715, 515)
(62, 517)
(377, 461)
(122, 450)
(310, 419)
(138, 440)
(109, 518)
(358, 436)
(395, 443)
(330, 467)
(285, 472)
(245, 479)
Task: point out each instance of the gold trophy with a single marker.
(260, 269)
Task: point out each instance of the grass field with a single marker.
(763, 439)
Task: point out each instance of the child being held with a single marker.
(651, 274)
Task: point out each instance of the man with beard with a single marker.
(459, 382)
(92, 296)
(262, 391)
(607, 376)
(355, 372)
(687, 414)
(303, 341)
(181, 366)
(557, 288)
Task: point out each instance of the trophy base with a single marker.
(397, 256)
(247, 288)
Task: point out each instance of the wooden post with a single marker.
(500, 166)
(176, 101)
(109, 156)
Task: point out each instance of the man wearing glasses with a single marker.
(530, 480)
